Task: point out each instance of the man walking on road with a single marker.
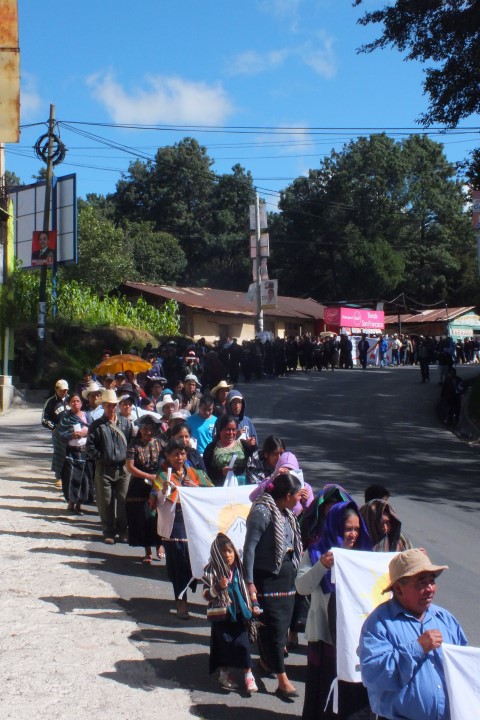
(400, 645)
(107, 442)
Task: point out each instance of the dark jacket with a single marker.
(52, 411)
(107, 444)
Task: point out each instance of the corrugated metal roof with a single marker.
(429, 316)
(227, 301)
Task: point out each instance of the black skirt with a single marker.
(74, 481)
(142, 521)
(276, 597)
(229, 645)
(353, 701)
(177, 557)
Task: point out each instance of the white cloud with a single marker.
(320, 58)
(280, 8)
(318, 55)
(252, 62)
(164, 100)
(30, 100)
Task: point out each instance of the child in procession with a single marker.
(231, 610)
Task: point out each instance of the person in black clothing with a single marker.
(55, 405)
(362, 348)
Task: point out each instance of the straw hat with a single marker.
(109, 396)
(409, 563)
(92, 387)
(222, 385)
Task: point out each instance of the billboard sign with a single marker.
(28, 209)
(361, 318)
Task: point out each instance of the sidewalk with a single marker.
(60, 662)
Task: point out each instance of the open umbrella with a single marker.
(120, 363)
(327, 333)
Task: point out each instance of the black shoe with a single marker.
(286, 694)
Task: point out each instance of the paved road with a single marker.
(354, 427)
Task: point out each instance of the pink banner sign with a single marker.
(355, 318)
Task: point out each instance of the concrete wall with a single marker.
(213, 326)
(6, 392)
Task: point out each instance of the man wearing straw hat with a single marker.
(107, 442)
(400, 644)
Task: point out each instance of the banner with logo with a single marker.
(208, 511)
(359, 578)
(462, 674)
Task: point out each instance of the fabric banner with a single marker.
(462, 674)
(208, 511)
(359, 578)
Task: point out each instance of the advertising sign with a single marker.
(44, 247)
(269, 292)
(364, 319)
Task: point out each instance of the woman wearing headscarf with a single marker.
(313, 519)
(384, 527)
(343, 528)
(271, 555)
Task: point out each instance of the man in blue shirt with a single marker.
(202, 423)
(400, 644)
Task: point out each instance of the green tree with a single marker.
(173, 192)
(157, 256)
(104, 255)
(378, 217)
(179, 194)
(11, 180)
(444, 33)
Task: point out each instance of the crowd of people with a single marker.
(128, 441)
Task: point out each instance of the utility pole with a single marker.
(42, 296)
(259, 265)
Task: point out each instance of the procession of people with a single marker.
(128, 439)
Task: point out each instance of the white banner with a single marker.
(359, 578)
(462, 673)
(208, 511)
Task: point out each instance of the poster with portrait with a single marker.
(269, 293)
(44, 247)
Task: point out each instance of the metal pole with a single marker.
(42, 296)
(4, 250)
(259, 268)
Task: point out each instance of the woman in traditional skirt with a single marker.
(71, 434)
(271, 555)
(143, 463)
(171, 526)
(343, 527)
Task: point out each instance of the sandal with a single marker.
(160, 555)
(147, 560)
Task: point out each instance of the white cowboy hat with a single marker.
(222, 385)
(92, 387)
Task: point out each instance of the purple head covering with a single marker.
(332, 537)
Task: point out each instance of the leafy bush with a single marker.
(72, 302)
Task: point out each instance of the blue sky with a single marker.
(288, 65)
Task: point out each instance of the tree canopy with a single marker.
(445, 33)
(207, 214)
(379, 217)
